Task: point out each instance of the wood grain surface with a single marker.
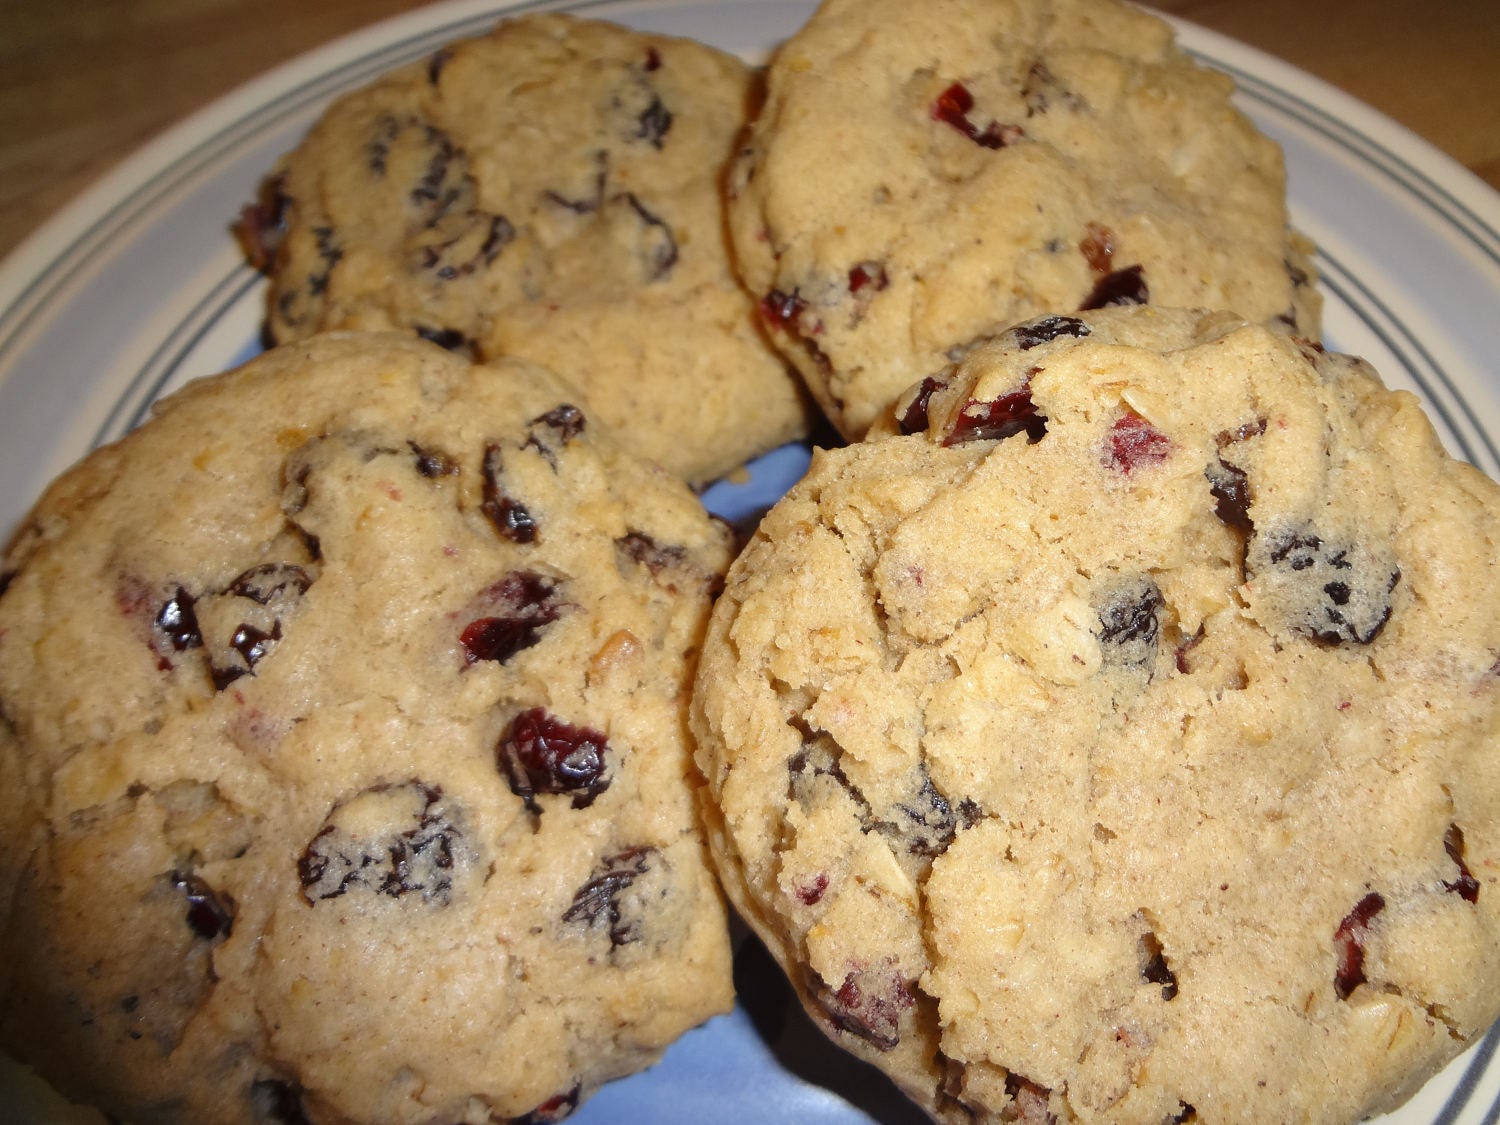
(85, 82)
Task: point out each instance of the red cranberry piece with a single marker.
(551, 1111)
(811, 893)
(1010, 414)
(1134, 443)
(597, 902)
(782, 310)
(210, 914)
(1123, 287)
(914, 419)
(1034, 333)
(1465, 886)
(952, 107)
(1098, 247)
(1348, 943)
(540, 753)
(653, 59)
(867, 275)
(528, 603)
(508, 516)
(869, 1004)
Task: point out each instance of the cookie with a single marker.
(344, 734)
(1118, 745)
(551, 190)
(924, 174)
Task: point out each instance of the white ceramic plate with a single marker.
(139, 286)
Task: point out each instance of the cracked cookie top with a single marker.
(549, 190)
(342, 713)
(921, 174)
(1113, 741)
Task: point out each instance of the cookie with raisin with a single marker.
(344, 729)
(1117, 743)
(549, 190)
(921, 174)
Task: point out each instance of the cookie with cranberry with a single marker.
(1118, 744)
(921, 174)
(549, 190)
(344, 733)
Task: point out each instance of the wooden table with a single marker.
(83, 82)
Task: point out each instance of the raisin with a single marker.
(1042, 89)
(1154, 967)
(541, 754)
(526, 602)
(6, 578)
(1122, 287)
(868, 1004)
(454, 257)
(436, 63)
(508, 516)
(432, 463)
(276, 1101)
(598, 901)
(663, 256)
(1134, 443)
(1010, 414)
(1230, 488)
(1465, 886)
(649, 553)
(415, 851)
(1329, 599)
(554, 429)
(1128, 622)
(783, 310)
(1348, 942)
(914, 418)
(928, 823)
(1184, 1114)
(654, 123)
(270, 581)
(210, 914)
(1044, 330)
(952, 107)
(653, 59)
(449, 339)
(177, 621)
(252, 645)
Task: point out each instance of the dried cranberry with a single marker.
(1123, 287)
(653, 59)
(432, 463)
(782, 310)
(867, 275)
(1465, 886)
(551, 1111)
(868, 1004)
(598, 901)
(1044, 330)
(952, 107)
(540, 753)
(177, 620)
(649, 553)
(1134, 443)
(1010, 414)
(508, 516)
(527, 602)
(811, 893)
(914, 419)
(1348, 942)
(564, 418)
(210, 914)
